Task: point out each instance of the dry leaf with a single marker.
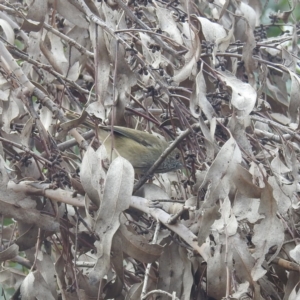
(116, 198)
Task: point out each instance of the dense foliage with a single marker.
(219, 79)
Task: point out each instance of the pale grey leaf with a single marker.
(116, 198)
(294, 98)
(35, 287)
(243, 95)
(9, 32)
(167, 24)
(271, 224)
(35, 16)
(295, 254)
(92, 174)
(199, 101)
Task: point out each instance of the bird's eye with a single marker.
(177, 156)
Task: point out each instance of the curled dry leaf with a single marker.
(35, 16)
(137, 246)
(212, 31)
(192, 42)
(243, 95)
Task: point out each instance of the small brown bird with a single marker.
(140, 148)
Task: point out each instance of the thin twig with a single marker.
(273, 123)
(147, 271)
(135, 19)
(164, 293)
